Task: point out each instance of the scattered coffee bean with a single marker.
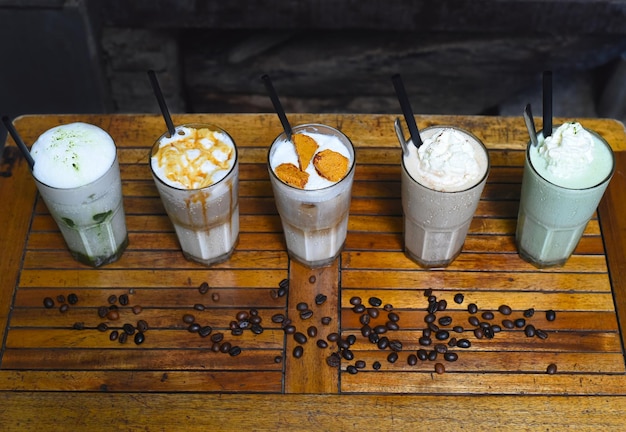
(442, 305)
(203, 288)
(458, 298)
(376, 365)
(380, 329)
(473, 321)
(487, 315)
(432, 307)
(311, 331)
(364, 319)
(352, 369)
(139, 338)
(458, 329)
(312, 279)
(442, 335)
(64, 308)
(359, 308)
(215, 297)
(520, 322)
(441, 348)
(215, 347)
(113, 335)
(451, 356)
(205, 331)
(302, 306)
(333, 360)
(433, 327)
(432, 355)
(102, 311)
(274, 294)
(290, 329)
(360, 364)
(505, 310)
(392, 357)
(375, 301)
(472, 308)
(320, 299)
(529, 330)
(411, 360)
(347, 354)
(355, 301)
(199, 307)
(507, 323)
(550, 315)
(366, 330)
(113, 315)
(306, 314)
(551, 369)
(123, 299)
(217, 337)
(225, 347)
(392, 326)
(383, 343)
(102, 327)
(242, 315)
(424, 341)
(445, 321)
(142, 326)
(137, 309)
(278, 318)
(479, 333)
(112, 299)
(541, 334)
(427, 332)
(388, 307)
(439, 368)
(393, 317)
(428, 292)
(528, 313)
(422, 354)
(496, 328)
(78, 325)
(256, 319)
(234, 351)
(129, 329)
(234, 332)
(61, 298)
(278, 359)
(299, 337)
(431, 317)
(488, 332)
(188, 318)
(326, 320)
(122, 338)
(452, 342)
(373, 337)
(351, 339)
(256, 328)
(321, 343)
(193, 328)
(373, 312)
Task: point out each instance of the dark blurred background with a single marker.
(456, 57)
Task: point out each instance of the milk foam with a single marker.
(193, 158)
(72, 155)
(572, 157)
(447, 161)
(285, 152)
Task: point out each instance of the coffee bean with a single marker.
(424, 341)
(320, 299)
(432, 299)
(306, 314)
(241, 315)
(442, 335)
(113, 307)
(383, 343)
(376, 365)
(458, 329)
(113, 335)
(458, 298)
(199, 307)
(551, 369)
(278, 318)
(321, 343)
(520, 322)
(433, 327)
(473, 321)
(478, 333)
(239, 324)
(192, 328)
(355, 301)
(284, 283)
(507, 323)
(129, 329)
(375, 301)
(142, 326)
(278, 359)
(255, 319)
(472, 308)
(364, 319)
(302, 306)
(427, 332)
(102, 327)
(529, 330)
(139, 338)
(388, 307)
(422, 354)
(428, 292)
(113, 315)
(234, 332)
(347, 354)
(373, 312)
(112, 299)
(333, 360)
(122, 338)
(343, 344)
(205, 331)
(380, 329)
(256, 328)
(505, 310)
(432, 355)
(445, 321)
(541, 334)
(441, 348)
(123, 299)
(411, 360)
(452, 342)
(359, 308)
(442, 305)
(360, 364)
(286, 323)
(392, 357)
(351, 339)
(487, 315)
(528, 313)
(254, 312)
(352, 370)
(451, 356)
(300, 337)
(496, 328)
(215, 347)
(72, 298)
(216, 297)
(188, 318)
(225, 347)
(366, 330)
(432, 307)
(373, 337)
(312, 279)
(203, 288)
(392, 326)
(137, 309)
(102, 311)
(217, 337)
(550, 315)
(393, 317)
(311, 331)
(234, 351)
(439, 368)
(488, 332)
(64, 308)
(61, 298)
(431, 317)
(332, 337)
(326, 320)
(78, 325)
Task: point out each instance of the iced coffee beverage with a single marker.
(311, 176)
(196, 172)
(77, 174)
(441, 186)
(564, 179)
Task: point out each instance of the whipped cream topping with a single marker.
(193, 158)
(567, 150)
(72, 155)
(446, 161)
(285, 152)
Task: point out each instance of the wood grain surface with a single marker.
(49, 369)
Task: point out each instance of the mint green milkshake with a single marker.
(565, 177)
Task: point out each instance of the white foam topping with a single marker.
(446, 161)
(285, 152)
(193, 158)
(567, 150)
(72, 155)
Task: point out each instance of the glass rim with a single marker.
(75, 188)
(195, 126)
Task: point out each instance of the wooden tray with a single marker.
(41, 351)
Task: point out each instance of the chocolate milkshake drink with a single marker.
(77, 174)
(565, 177)
(196, 172)
(441, 186)
(311, 177)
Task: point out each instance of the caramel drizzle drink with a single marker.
(312, 185)
(196, 172)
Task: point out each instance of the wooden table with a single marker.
(55, 376)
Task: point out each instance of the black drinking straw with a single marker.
(18, 140)
(547, 104)
(277, 105)
(159, 95)
(406, 110)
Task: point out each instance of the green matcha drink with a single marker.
(564, 179)
(77, 174)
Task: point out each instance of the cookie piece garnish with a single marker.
(305, 148)
(331, 165)
(291, 174)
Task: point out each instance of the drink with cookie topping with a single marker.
(196, 172)
(311, 176)
(442, 181)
